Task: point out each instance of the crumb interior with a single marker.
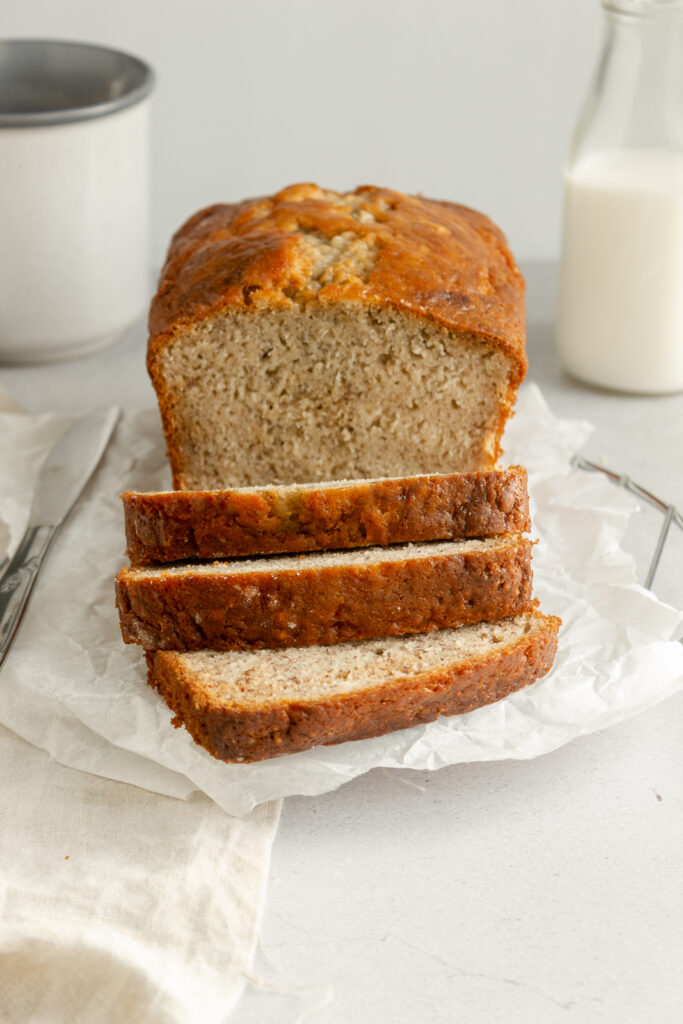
(319, 560)
(340, 392)
(252, 679)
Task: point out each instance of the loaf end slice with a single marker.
(169, 526)
(248, 706)
(325, 597)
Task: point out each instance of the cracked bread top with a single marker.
(376, 247)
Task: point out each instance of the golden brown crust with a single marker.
(254, 735)
(435, 259)
(175, 525)
(323, 605)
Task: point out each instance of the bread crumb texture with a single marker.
(307, 674)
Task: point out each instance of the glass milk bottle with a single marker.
(620, 313)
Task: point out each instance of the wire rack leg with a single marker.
(656, 558)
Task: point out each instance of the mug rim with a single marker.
(141, 80)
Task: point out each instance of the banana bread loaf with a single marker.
(168, 526)
(315, 335)
(250, 705)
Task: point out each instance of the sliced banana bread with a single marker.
(250, 705)
(325, 598)
(168, 526)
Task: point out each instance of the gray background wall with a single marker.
(471, 100)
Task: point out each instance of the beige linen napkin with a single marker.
(118, 903)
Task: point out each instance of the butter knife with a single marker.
(62, 478)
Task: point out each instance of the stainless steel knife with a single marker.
(63, 476)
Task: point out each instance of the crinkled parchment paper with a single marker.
(71, 686)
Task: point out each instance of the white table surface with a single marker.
(516, 892)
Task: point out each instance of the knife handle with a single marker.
(17, 583)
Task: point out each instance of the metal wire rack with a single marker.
(670, 512)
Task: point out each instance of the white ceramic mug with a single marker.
(74, 197)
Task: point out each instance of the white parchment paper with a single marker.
(71, 686)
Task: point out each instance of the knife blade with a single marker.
(64, 474)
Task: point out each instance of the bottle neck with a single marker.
(637, 95)
(644, 8)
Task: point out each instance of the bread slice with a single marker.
(316, 335)
(250, 705)
(325, 598)
(168, 526)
